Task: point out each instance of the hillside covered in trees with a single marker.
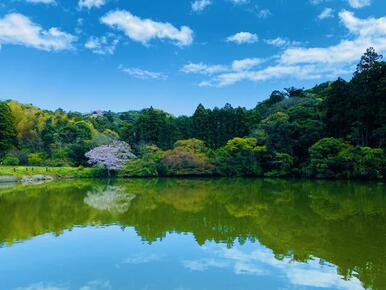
(334, 130)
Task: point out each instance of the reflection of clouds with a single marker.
(247, 269)
(113, 199)
(92, 285)
(205, 264)
(323, 279)
(141, 259)
(41, 286)
(263, 262)
(97, 285)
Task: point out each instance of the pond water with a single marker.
(215, 234)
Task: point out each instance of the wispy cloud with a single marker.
(102, 45)
(41, 1)
(281, 42)
(264, 13)
(91, 3)
(201, 68)
(326, 13)
(246, 63)
(243, 37)
(359, 3)
(316, 2)
(200, 5)
(239, 2)
(235, 66)
(139, 73)
(144, 30)
(18, 29)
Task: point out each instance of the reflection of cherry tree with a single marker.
(113, 199)
(112, 156)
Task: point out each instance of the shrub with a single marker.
(240, 157)
(36, 159)
(10, 160)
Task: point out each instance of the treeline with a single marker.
(333, 130)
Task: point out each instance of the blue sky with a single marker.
(119, 55)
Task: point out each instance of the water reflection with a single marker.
(301, 233)
(113, 199)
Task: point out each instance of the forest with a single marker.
(336, 129)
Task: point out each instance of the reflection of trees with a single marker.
(113, 199)
(341, 222)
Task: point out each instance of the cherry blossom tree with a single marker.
(112, 156)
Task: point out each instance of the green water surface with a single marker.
(214, 234)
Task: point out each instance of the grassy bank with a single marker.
(58, 172)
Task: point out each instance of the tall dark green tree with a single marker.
(7, 128)
(368, 60)
(200, 123)
(339, 109)
(155, 127)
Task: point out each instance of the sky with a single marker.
(120, 55)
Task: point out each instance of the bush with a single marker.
(326, 160)
(368, 162)
(280, 165)
(10, 160)
(334, 158)
(240, 157)
(147, 166)
(36, 159)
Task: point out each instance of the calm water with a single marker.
(221, 234)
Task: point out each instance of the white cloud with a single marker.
(101, 45)
(236, 66)
(239, 2)
(367, 32)
(316, 2)
(243, 37)
(18, 29)
(139, 73)
(201, 68)
(41, 1)
(326, 13)
(246, 63)
(359, 3)
(144, 30)
(281, 42)
(316, 62)
(91, 3)
(200, 5)
(264, 13)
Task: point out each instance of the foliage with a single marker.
(7, 128)
(10, 159)
(280, 165)
(149, 165)
(240, 157)
(61, 172)
(35, 159)
(187, 158)
(286, 128)
(334, 158)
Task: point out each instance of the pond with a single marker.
(215, 234)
